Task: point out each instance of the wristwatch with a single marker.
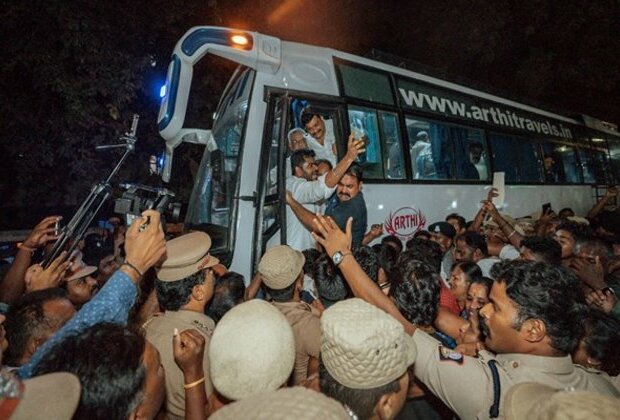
(339, 256)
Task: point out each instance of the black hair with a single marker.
(26, 319)
(602, 340)
(173, 295)
(324, 161)
(388, 258)
(298, 158)
(417, 235)
(361, 401)
(281, 295)
(310, 254)
(307, 115)
(329, 283)
(460, 219)
(107, 359)
(549, 293)
(577, 230)
(475, 241)
(415, 291)
(356, 170)
(228, 292)
(471, 270)
(391, 239)
(545, 248)
(426, 251)
(367, 259)
(566, 209)
(486, 282)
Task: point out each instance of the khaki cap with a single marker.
(533, 401)
(287, 403)
(185, 256)
(83, 271)
(363, 347)
(280, 266)
(252, 350)
(51, 396)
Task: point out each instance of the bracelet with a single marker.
(25, 247)
(511, 233)
(133, 267)
(193, 384)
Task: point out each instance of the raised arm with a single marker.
(188, 348)
(13, 285)
(145, 247)
(354, 148)
(600, 205)
(304, 215)
(335, 240)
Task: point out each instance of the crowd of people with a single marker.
(493, 318)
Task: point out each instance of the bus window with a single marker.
(211, 204)
(614, 158)
(560, 163)
(364, 84)
(444, 151)
(594, 165)
(518, 157)
(393, 158)
(364, 123)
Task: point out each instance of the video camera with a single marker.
(138, 197)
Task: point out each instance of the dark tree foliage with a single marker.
(73, 74)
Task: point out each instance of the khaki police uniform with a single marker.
(306, 326)
(159, 330)
(475, 387)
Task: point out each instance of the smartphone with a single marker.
(546, 208)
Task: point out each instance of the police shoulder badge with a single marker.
(446, 354)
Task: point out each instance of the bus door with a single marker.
(283, 114)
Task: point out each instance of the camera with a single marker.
(138, 197)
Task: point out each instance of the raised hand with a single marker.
(355, 146)
(144, 242)
(38, 278)
(188, 348)
(328, 234)
(43, 232)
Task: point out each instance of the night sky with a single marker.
(560, 55)
(73, 72)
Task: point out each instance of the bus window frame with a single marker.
(575, 145)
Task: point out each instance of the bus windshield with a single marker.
(211, 206)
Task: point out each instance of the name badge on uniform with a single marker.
(446, 354)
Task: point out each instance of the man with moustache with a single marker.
(349, 202)
(532, 338)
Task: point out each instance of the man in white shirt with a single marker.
(307, 189)
(321, 137)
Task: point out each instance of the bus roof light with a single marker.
(240, 40)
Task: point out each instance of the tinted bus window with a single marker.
(560, 163)
(594, 165)
(444, 151)
(367, 85)
(383, 158)
(518, 157)
(614, 155)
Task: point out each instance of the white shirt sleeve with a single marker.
(307, 192)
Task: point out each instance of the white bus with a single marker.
(433, 144)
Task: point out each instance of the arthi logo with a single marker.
(404, 222)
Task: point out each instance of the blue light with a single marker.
(162, 91)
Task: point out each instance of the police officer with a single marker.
(532, 324)
(184, 286)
